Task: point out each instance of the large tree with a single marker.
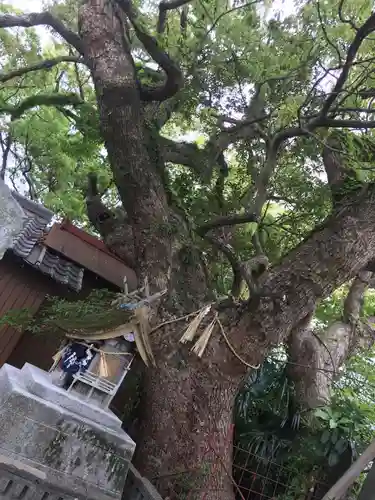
(279, 95)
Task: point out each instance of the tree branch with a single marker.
(45, 64)
(203, 160)
(163, 9)
(40, 100)
(187, 154)
(241, 271)
(368, 111)
(42, 18)
(354, 300)
(229, 220)
(5, 151)
(175, 79)
(230, 254)
(342, 18)
(324, 122)
(328, 40)
(357, 124)
(366, 29)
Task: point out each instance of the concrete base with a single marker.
(61, 441)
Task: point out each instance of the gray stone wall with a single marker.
(138, 487)
(17, 483)
(61, 439)
(55, 446)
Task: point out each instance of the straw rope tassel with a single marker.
(201, 344)
(140, 347)
(191, 330)
(103, 366)
(141, 335)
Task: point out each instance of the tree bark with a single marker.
(330, 256)
(126, 137)
(316, 357)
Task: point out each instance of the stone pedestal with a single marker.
(56, 444)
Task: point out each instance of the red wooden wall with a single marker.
(19, 289)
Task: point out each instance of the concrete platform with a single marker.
(59, 440)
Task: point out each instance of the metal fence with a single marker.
(253, 478)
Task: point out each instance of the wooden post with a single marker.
(346, 481)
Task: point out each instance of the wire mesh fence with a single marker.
(261, 479)
(252, 477)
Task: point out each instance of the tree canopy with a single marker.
(254, 80)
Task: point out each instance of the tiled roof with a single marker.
(62, 270)
(28, 245)
(32, 232)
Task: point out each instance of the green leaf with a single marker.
(322, 414)
(333, 458)
(332, 423)
(341, 445)
(325, 437)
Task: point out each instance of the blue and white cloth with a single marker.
(76, 358)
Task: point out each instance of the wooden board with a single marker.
(90, 257)
(17, 292)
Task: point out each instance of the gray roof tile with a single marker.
(31, 233)
(27, 245)
(62, 270)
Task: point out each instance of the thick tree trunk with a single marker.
(316, 357)
(186, 448)
(329, 257)
(187, 402)
(126, 138)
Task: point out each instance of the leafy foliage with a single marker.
(224, 53)
(90, 314)
(276, 440)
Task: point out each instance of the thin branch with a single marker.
(79, 82)
(293, 132)
(328, 40)
(43, 18)
(342, 18)
(228, 220)
(163, 9)
(6, 149)
(357, 124)
(175, 79)
(233, 9)
(240, 272)
(367, 93)
(46, 64)
(40, 100)
(368, 111)
(366, 29)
